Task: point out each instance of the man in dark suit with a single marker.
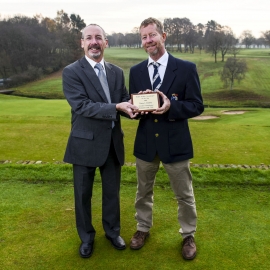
(163, 135)
(96, 94)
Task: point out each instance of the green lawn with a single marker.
(36, 207)
(38, 225)
(253, 91)
(35, 129)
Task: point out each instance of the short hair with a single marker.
(93, 24)
(151, 20)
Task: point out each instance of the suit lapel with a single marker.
(169, 75)
(93, 78)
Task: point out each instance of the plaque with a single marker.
(146, 102)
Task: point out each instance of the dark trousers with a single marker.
(83, 185)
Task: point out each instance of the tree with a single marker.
(31, 47)
(169, 29)
(4, 64)
(213, 38)
(180, 32)
(234, 51)
(188, 34)
(260, 42)
(200, 36)
(247, 38)
(136, 36)
(62, 19)
(77, 23)
(266, 36)
(174, 35)
(227, 41)
(234, 69)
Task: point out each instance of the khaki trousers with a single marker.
(181, 184)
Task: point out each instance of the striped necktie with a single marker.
(156, 77)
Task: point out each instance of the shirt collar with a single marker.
(163, 60)
(93, 63)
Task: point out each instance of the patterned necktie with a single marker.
(156, 77)
(103, 81)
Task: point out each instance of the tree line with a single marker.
(33, 47)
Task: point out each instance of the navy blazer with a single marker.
(168, 134)
(91, 133)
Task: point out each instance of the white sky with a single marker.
(123, 15)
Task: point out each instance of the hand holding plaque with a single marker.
(146, 102)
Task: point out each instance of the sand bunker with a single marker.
(233, 112)
(205, 117)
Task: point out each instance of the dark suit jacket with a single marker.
(91, 133)
(168, 134)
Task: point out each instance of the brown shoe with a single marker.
(137, 241)
(189, 248)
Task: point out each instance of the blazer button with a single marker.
(156, 120)
(156, 134)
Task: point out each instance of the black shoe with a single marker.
(86, 249)
(118, 242)
(189, 248)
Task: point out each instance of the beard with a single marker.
(152, 53)
(94, 55)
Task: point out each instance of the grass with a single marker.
(46, 173)
(49, 87)
(36, 207)
(38, 224)
(253, 91)
(35, 129)
(257, 80)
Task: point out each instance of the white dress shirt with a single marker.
(93, 63)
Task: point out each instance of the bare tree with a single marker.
(234, 69)
(213, 38)
(234, 51)
(266, 36)
(169, 29)
(200, 36)
(227, 41)
(186, 29)
(260, 42)
(176, 26)
(247, 38)
(136, 36)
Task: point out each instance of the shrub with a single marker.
(31, 74)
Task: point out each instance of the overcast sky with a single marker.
(124, 15)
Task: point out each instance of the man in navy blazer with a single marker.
(96, 138)
(163, 135)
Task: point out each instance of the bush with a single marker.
(32, 73)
